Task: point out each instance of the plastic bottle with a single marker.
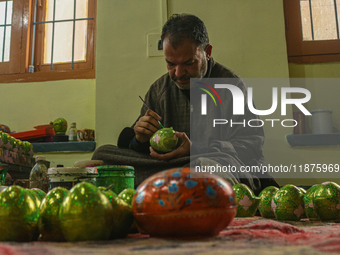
(38, 175)
(72, 133)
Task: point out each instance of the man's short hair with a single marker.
(185, 26)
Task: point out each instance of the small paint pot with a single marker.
(120, 176)
(67, 177)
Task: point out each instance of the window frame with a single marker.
(22, 54)
(300, 51)
(19, 28)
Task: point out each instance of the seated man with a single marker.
(188, 55)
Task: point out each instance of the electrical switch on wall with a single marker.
(154, 46)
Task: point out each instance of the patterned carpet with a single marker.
(244, 236)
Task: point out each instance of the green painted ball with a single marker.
(86, 214)
(108, 193)
(35, 197)
(20, 146)
(265, 206)
(13, 142)
(27, 146)
(287, 204)
(247, 202)
(18, 215)
(303, 191)
(40, 193)
(49, 222)
(127, 195)
(309, 204)
(122, 218)
(5, 138)
(164, 140)
(60, 126)
(326, 200)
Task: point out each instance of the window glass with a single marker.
(82, 9)
(320, 21)
(6, 9)
(63, 32)
(306, 20)
(9, 12)
(80, 40)
(64, 9)
(62, 45)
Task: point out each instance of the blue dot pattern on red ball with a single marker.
(181, 190)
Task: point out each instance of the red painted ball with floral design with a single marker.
(182, 202)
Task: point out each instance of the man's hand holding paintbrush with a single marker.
(146, 126)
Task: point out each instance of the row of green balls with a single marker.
(84, 213)
(319, 202)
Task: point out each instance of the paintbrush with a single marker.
(150, 109)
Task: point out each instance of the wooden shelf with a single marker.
(332, 139)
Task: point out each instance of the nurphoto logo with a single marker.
(239, 99)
